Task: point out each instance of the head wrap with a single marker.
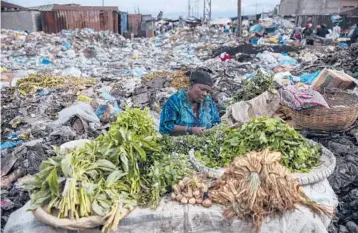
(201, 77)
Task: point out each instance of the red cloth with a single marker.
(297, 36)
(226, 57)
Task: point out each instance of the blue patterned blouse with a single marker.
(178, 111)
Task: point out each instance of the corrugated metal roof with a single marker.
(84, 8)
(48, 7)
(9, 5)
(74, 7)
(43, 7)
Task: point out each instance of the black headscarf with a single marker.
(201, 77)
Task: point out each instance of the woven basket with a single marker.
(343, 112)
(325, 168)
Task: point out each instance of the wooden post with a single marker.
(239, 18)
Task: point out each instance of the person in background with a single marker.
(354, 35)
(318, 28)
(297, 33)
(323, 31)
(307, 33)
(336, 33)
(227, 28)
(190, 111)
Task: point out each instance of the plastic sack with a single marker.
(76, 224)
(179, 218)
(83, 110)
(265, 104)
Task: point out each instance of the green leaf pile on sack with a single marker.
(124, 168)
(219, 146)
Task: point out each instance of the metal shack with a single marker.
(134, 21)
(16, 17)
(75, 16)
(147, 26)
(123, 22)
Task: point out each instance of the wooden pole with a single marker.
(239, 18)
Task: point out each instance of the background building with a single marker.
(16, 17)
(316, 7)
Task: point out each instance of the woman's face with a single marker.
(198, 92)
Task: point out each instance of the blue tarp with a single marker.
(256, 28)
(309, 78)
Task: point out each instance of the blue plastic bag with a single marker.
(309, 78)
(45, 61)
(67, 45)
(100, 111)
(44, 92)
(10, 144)
(256, 28)
(342, 45)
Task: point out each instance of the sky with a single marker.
(171, 8)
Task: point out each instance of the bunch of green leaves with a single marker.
(257, 85)
(36, 82)
(135, 120)
(166, 170)
(112, 172)
(260, 133)
(207, 147)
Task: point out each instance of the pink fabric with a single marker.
(298, 99)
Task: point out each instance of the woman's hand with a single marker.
(198, 130)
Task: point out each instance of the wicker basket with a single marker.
(343, 112)
(317, 174)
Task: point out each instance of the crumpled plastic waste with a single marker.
(80, 109)
(10, 144)
(284, 59)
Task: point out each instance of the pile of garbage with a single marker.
(344, 179)
(337, 58)
(84, 52)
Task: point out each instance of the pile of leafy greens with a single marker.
(255, 86)
(109, 176)
(261, 133)
(217, 147)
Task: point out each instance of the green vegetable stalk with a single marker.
(109, 176)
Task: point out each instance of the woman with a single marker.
(190, 111)
(307, 33)
(297, 33)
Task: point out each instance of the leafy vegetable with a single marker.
(218, 146)
(262, 133)
(257, 85)
(108, 175)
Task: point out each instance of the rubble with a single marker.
(344, 180)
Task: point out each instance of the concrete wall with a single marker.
(310, 7)
(348, 4)
(21, 20)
